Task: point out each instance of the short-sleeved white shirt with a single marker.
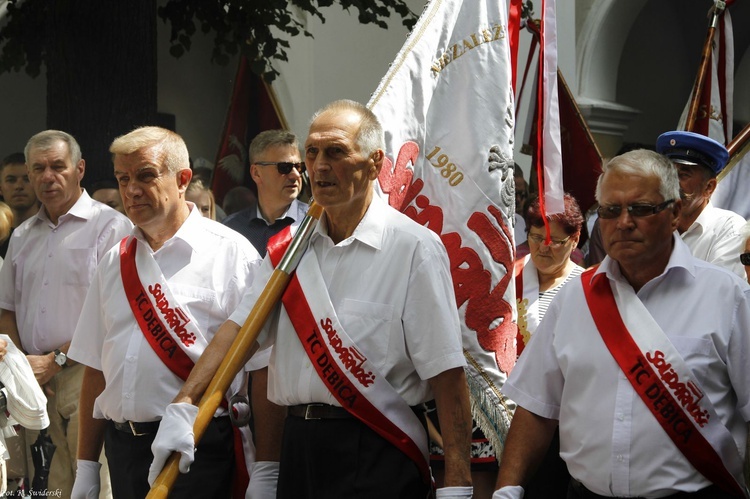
(391, 287)
(48, 270)
(208, 267)
(609, 439)
(716, 237)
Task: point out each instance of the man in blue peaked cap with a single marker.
(711, 233)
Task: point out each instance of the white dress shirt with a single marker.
(49, 268)
(208, 267)
(609, 439)
(391, 287)
(716, 237)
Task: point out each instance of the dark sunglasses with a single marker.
(634, 210)
(745, 258)
(284, 167)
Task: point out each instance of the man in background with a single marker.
(711, 233)
(276, 169)
(17, 192)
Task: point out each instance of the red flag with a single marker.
(581, 158)
(252, 110)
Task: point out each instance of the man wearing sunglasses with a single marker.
(277, 171)
(712, 234)
(641, 360)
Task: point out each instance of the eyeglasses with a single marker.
(745, 258)
(284, 167)
(634, 210)
(553, 243)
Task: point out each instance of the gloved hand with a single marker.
(87, 483)
(175, 435)
(509, 492)
(454, 493)
(263, 478)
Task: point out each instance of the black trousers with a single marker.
(210, 475)
(341, 459)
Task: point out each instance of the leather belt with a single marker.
(137, 429)
(318, 411)
(711, 492)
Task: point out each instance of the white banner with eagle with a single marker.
(446, 105)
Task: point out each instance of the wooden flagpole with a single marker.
(703, 69)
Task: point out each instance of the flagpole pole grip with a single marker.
(242, 344)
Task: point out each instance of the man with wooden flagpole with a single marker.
(367, 333)
(650, 403)
(156, 301)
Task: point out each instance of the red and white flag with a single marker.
(715, 116)
(446, 105)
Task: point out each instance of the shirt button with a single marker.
(131, 358)
(621, 417)
(127, 395)
(44, 310)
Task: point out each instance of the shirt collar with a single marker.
(80, 209)
(680, 258)
(703, 218)
(370, 229)
(188, 233)
(291, 212)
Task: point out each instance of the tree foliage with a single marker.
(261, 29)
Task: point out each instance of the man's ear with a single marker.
(377, 163)
(676, 211)
(255, 173)
(183, 179)
(81, 169)
(710, 187)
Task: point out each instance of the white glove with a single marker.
(509, 492)
(454, 493)
(175, 435)
(263, 478)
(87, 482)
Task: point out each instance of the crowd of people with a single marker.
(633, 326)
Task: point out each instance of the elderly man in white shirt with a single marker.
(51, 260)
(155, 303)
(643, 360)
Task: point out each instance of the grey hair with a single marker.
(370, 136)
(644, 163)
(171, 146)
(44, 141)
(271, 138)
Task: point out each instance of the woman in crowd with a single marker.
(539, 276)
(203, 198)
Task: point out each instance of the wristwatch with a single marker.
(60, 358)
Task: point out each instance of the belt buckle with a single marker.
(309, 416)
(135, 432)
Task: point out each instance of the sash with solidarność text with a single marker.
(663, 381)
(342, 367)
(170, 331)
(168, 328)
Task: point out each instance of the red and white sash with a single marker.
(344, 369)
(171, 332)
(168, 328)
(664, 381)
(527, 300)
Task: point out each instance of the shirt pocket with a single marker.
(368, 324)
(697, 354)
(201, 304)
(80, 265)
